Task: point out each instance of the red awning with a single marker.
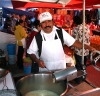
(19, 4)
(73, 4)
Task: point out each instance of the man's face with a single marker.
(47, 26)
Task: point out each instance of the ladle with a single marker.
(49, 70)
(68, 73)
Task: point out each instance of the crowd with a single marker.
(12, 20)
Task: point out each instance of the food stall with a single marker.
(38, 81)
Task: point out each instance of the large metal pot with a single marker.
(41, 81)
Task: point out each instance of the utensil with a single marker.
(40, 81)
(49, 70)
(68, 73)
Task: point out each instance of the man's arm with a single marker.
(34, 58)
(79, 45)
(38, 61)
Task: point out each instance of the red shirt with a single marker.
(32, 34)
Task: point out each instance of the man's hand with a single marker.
(92, 49)
(41, 63)
(38, 61)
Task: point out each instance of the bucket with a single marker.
(27, 65)
(27, 69)
(11, 59)
(11, 48)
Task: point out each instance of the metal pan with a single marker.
(40, 81)
(3, 73)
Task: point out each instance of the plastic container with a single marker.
(27, 69)
(11, 59)
(11, 48)
(27, 65)
(27, 60)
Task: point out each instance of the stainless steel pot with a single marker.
(3, 73)
(41, 81)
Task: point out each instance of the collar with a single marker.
(34, 29)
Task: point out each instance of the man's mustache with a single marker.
(48, 27)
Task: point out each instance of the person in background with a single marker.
(67, 18)
(93, 26)
(20, 35)
(7, 28)
(18, 19)
(52, 53)
(36, 29)
(23, 17)
(13, 20)
(77, 33)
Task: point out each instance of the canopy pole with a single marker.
(83, 32)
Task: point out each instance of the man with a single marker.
(77, 33)
(20, 35)
(52, 53)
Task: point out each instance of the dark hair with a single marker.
(77, 20)
(36, 23)
(21, 21)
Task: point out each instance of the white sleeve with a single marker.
(68, 39)
(33, 48)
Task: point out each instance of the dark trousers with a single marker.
(79, 65)
(20, 57)
(35, 67)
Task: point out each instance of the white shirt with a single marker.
(68, 40)
(34, 29)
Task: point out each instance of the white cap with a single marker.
(45, 16)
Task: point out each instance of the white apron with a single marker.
(52, 54)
